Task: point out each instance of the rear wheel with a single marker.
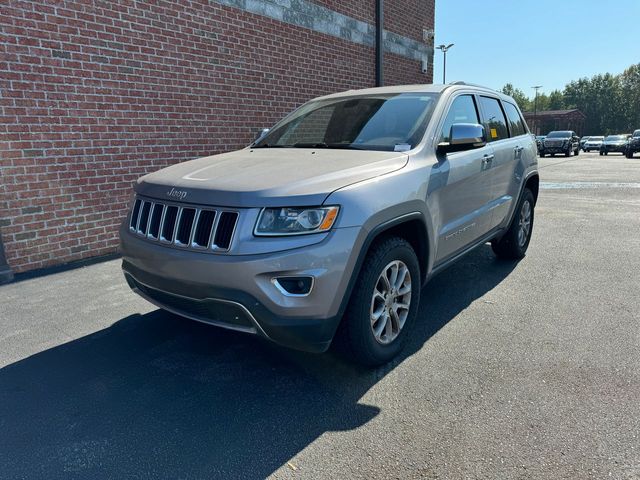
(513, 245)
(383, 305)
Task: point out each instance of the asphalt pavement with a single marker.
(522, 370)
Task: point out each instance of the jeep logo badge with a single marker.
(177, 194)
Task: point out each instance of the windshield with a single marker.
(394, 122)
(559, 134)
(615, 138)
(596, 138)
(636, 133)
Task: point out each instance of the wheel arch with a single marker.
(412, 227)
(533, 184)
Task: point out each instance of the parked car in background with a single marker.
(633, 145)
(583, 140)
(594, 143)
(614, 143)
(561, 141)
(539, 140)
(331, 223)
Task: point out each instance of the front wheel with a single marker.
(383, 305)
(513, 244)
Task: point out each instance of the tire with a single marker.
(629, 154)
(568, 152)
(356, 335)
(511, 246)
(601, 153)
(542, 154)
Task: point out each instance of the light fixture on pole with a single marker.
(444, 49)
(535, 108)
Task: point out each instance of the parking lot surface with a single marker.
(516, 370)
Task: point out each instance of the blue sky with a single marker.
(535, 42)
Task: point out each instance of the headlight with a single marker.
(295, 221)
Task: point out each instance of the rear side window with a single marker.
(462, 110)
(493, 119)
(516, 125)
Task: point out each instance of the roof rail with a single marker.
(460, 82)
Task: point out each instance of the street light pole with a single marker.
(444, 49)
(535, 107)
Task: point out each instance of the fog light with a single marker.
(294, 286)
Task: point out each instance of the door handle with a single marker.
(518, 149)
(486, 160)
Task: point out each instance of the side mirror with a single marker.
(261, 133)
(463, 136)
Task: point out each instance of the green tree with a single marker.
(630, 85)
(556, 100)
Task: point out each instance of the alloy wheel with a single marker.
(390, 302)
(524, 223)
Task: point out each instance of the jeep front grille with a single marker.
(199, 228)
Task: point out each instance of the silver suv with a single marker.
(330, 224)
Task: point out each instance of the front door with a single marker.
(465, 185)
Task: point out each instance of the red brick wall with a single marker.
(94, 94)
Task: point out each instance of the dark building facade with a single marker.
(94, 94)
(541, 123)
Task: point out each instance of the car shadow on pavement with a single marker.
(157, 396)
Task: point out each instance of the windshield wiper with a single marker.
(345, 146)
(270, 145)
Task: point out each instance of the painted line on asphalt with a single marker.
(577, 185)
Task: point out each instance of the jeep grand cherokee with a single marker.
(331, 223)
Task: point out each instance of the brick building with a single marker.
(95, 93)
(546, 121)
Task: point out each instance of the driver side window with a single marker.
(462, 110)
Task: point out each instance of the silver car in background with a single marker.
(594, 143)
(331, 223)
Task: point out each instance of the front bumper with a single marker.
(554, 149)
(614, 148)
(237, 292)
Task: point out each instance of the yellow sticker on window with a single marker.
(494, 133)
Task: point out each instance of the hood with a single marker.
(263, 177)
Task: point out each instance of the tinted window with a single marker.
(462, 110)
(493, 119)
(373, 122)
(516, 125)
(559, 134)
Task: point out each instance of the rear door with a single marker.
(508, 151)
(460, 185)
(516, 152)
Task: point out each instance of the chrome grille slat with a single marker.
(184, 226)
(143, 219)
(171, 217)
(153, 231)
